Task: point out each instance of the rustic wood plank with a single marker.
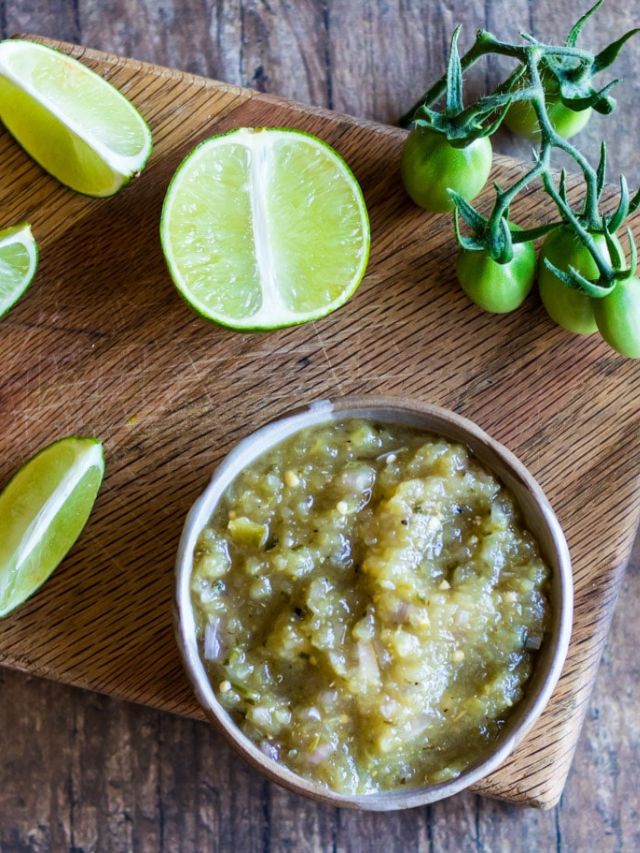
(384, 55)
(275, 47)
(56, 18)
(606, 766)
(586, 815)
(181, 33)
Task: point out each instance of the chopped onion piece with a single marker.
(367, 662)
(320, 754)
(212, 644)
(271, 750)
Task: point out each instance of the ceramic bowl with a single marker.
(538, 517)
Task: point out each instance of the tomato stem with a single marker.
(485, 44)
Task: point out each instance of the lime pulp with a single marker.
(265, 227)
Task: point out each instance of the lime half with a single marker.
(18, 264)
(263, 228)
(77, 126)
(42, 512)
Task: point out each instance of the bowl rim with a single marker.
(392, 409)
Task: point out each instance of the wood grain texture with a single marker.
(64, 792)
(110, 351)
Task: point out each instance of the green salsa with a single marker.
(369, 605)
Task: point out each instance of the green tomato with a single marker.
(498, 288)
(430, 165)
(521, 119)
(569, 308)
(618, 317)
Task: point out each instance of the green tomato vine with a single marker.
(572, 70)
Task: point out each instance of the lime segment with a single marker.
(76, 125)
(264, 228)
(42, 512)
(18, 264)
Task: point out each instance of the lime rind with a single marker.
(266, 319)
(121, 167)
(12, 291)
(26, 529)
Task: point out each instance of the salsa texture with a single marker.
(369, 605)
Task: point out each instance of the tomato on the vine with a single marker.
(498, 288)
(571, 309)
(430, 166)
(618, 317)
(521, 119)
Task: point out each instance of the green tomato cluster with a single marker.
(430, 166)
(616, 316)
(503, 287)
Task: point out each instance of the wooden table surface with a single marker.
(80, 772)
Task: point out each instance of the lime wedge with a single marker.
(77, 126)
(18, 264)
(264, 228)
(42, 512)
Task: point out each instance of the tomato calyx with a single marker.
(497, 242)
(589, 222)
(573, 81)
(464, 125)
(575, 280)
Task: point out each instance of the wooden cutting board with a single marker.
(102, 345)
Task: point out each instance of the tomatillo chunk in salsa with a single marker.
(369, 605)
